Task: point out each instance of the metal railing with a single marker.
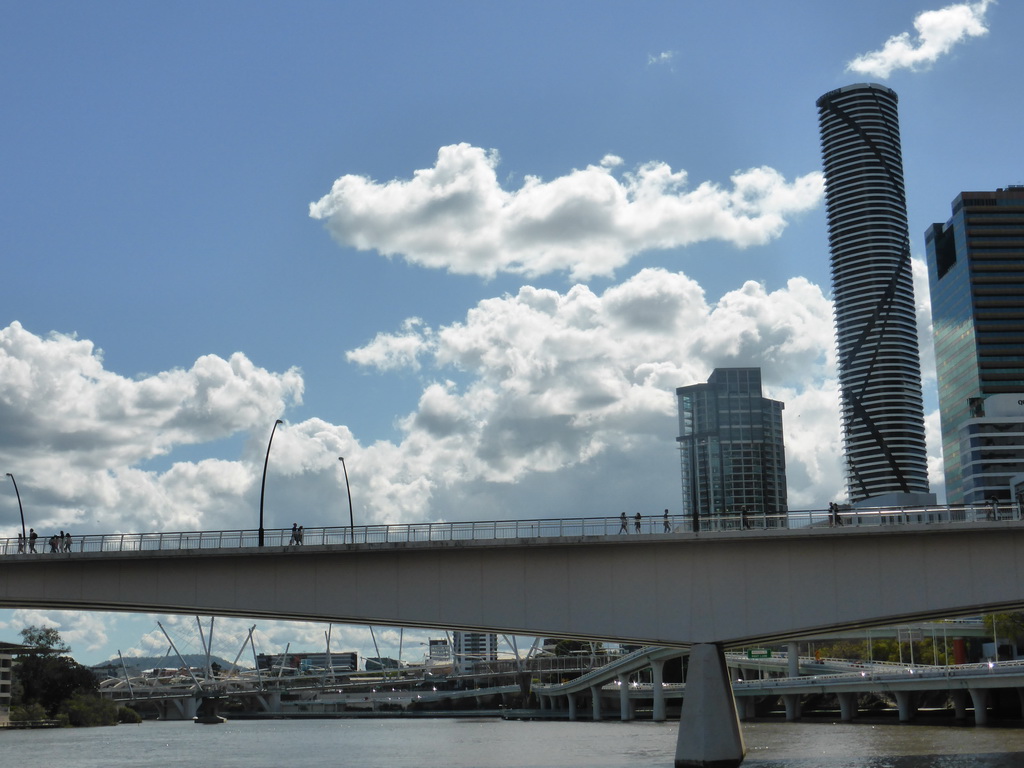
(1014, 668)
(573, 527)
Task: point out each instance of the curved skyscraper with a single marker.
(873, 291)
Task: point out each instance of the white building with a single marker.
(472, 647)
(992, 449)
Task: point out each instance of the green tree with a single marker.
(884, 649)
(1009, 626)
(128, 715)
(28, 713)
(83, 710)
(44, 640)
(45, 676)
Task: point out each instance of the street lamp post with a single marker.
(348, 488)
(263, 487)
(20, 510)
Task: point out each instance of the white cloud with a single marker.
(83, 632)
(456, 216)
(538, 404)
(558, 380)
(55, 390)
(549, 382)
(75, 434)
(665, 57)
(937, 33)
(540, 389)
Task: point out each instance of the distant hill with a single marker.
(136, 664)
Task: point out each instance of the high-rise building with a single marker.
(470, 648)
(731, 448)
(873, 293)
(976, 277)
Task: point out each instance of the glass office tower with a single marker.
(873, 293)
(976, 277)
(731, 447)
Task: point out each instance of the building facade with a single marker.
(976, 278)
(6, 666)
(731, 448)
(872, 284)
(470, 648)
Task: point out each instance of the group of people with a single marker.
(59, 542)
(638, 523)
(834, 518)
(297, 534)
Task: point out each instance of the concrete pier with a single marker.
(709, 729)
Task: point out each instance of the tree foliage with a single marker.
(1008, 626)
(884, 649)
(44, 640)
(82, 710)
(45, 677)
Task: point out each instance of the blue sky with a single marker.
(472, 247)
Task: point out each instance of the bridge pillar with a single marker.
(979, 696)
(960, 704)
(657, 678)
(792, 702)
(595, 702)
(625, 705)
(269, 701)
(180, 709)
(847, 706)
(747, 707)
(793, 659)
(709, 728)
(571, 699)
(906, 705)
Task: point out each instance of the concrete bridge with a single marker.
(707, 591)
(791, 678)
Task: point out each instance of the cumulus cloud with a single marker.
(541, 403)
(526, 385)
(75, 434)
(937, 33)
(456, 215)
(56, 390)
(557, 380)
(83, 632)
(525, 400)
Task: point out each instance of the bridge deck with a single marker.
(818, 522)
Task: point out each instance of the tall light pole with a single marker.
(348, 488)
(263, 487)
(22, 511)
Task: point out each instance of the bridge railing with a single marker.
(439, 532)
(896, 672)
(857, 517)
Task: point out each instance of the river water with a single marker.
(488, 743)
